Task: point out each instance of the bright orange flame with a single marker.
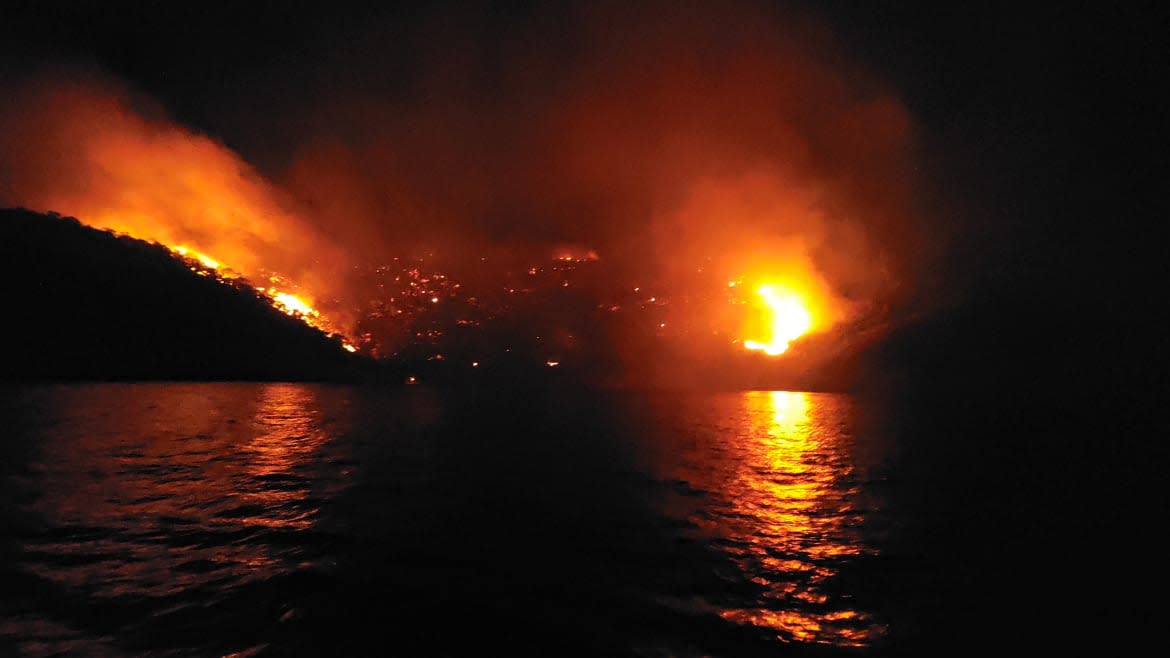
(790, 319)
(292, 304)
(206, 260)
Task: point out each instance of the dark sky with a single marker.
(1011, 82)
(987, 64)
(957, 63)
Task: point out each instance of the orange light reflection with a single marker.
(799, 521)
(173, 462)
(287, 433)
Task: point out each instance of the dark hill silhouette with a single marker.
(81, 303)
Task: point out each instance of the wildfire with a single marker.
(294, 305)
(204, 259)
(789, 319)
(115, 169)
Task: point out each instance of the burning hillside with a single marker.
(586, 316)
(752, 207)
(92, 305)
(84, 152)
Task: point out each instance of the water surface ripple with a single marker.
(284, 519)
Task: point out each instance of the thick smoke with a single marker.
(663, 136)
(674, 139)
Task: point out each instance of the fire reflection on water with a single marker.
(176, 489)
(287, 433)
(785, 508)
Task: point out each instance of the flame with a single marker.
(790, 319)
(292, 304)
(102, 161)
(204, 259)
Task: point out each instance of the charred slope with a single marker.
(87, 304)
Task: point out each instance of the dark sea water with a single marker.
(292, 519)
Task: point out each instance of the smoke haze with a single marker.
(677, 140)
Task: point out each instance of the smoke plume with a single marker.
(679, 141)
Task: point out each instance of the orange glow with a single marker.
(287, 432)
(156, 181)
(789, 319)
(789, 484)
(783, 499)
(575, 254)
(292, 304)
(207, 261)
(273, 435)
